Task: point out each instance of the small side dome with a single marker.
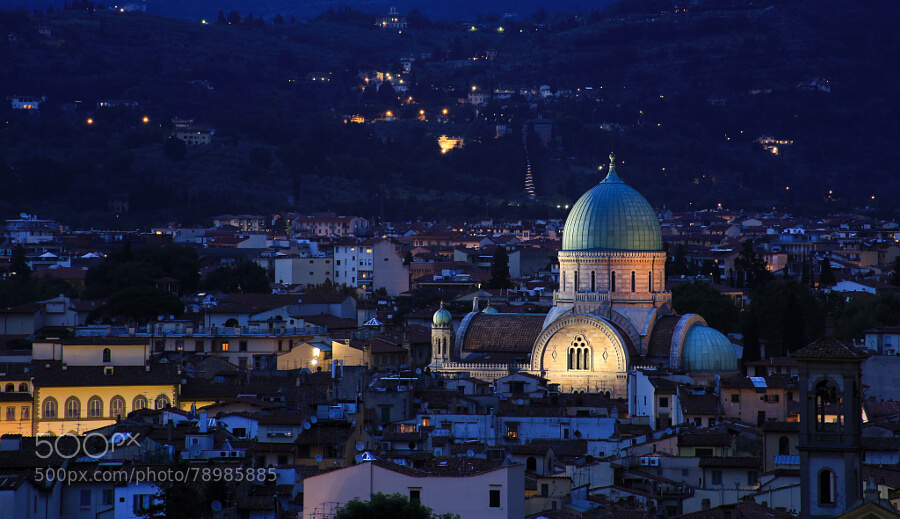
(442, 317)
(489, 309)
(705, 349)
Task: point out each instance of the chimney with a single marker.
(475, 304)
(204, 422)
(870, 493)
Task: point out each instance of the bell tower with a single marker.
(441, 336)
(830, 428)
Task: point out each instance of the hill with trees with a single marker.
(684, 96)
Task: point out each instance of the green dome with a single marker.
(489, 309)
(705, 349)
(442, 317)
(612, 216)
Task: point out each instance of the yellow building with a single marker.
(75, 399)
(87, 383)
(15, 399)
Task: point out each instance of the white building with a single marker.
(371, 265)
(470, 487)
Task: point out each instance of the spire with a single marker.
(611, 176)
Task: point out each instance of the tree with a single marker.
(717, 309)
(387, 506)
(246, 277)
(826, 277)
(278, 20)
(18, 267)
(408, 258)
(175, 148)
(139, 304)
(679, 266)
(895, 275)
(221, 20)
(751, 267)
(500, 269)
(234, 18)
(787, 316)
(178, 501)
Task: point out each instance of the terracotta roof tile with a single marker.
(503, 332)
(829, 348)
(661, 338)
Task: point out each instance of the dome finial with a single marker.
(612, 176)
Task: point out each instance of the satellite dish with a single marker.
(380, 428)
(717, 378)
(470, 453)
(160, 317)
(171, 317)
(216, 505)
(418, 371)
(318, 458)
(669, 430)
(313, 419)
(521, 401)
(306, 425)
(360, 445)
(358, 458)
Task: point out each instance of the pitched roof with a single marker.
(661, 338)
(829, 348)
(52, 374)
(503, 332)
(705, 440)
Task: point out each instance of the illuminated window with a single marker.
(73, 408)
(95, 407)
(512, 430)
(224, 346)
(140, 402)
(579, 354)
(161, 402)
(117, 407)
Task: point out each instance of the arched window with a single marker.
(107, 355)
(10, 387)
(73, 408)
(633, 284)
(23, 387)
(576, 281)
(50, 407)
(140, 402)
(161, 402)
(828, 408)
(650, 280)
(612, 281)
(232, 323)
(531, 464)
(593, 282)
(95, 407)
(784, 446)
(579, 356)
(827, 487)
(117, 407)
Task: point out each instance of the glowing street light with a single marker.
(146, 119)
(90, 121)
